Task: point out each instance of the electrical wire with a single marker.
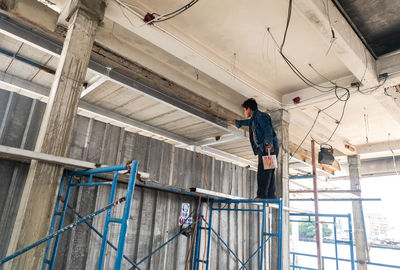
(370, 90)
(173, 14)
(289, 16)
(302, 77)
(338, 123)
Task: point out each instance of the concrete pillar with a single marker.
(40, 191)
(358, 219)
(280, 120)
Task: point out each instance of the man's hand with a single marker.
(269, 146)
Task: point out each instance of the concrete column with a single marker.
(358, 218)
(40, 191)
(280, 120)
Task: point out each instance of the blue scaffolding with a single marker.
(71, 178)
(62, 206)
(334, 218)
(264, 237)
(71, 175)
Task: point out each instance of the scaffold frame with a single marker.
(264, 237)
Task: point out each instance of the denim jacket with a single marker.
(260, 124)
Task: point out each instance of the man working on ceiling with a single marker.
(262, 138)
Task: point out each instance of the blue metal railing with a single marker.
(333, 217)
(352, 261)
(336, 259)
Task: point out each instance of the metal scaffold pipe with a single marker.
(317, 224)
(67, 228)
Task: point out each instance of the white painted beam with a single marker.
(94, 85)
(309, 95)
(226, 156)
(27, 155)
(347, 46)
(16, 84)
(214, 141)
(379, 147)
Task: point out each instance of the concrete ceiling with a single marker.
(234, 34)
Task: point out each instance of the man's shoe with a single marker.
(258, 198)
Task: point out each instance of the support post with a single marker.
(318, 230)
(358, 216)
(280, 120)
(40, 192)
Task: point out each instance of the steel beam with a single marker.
(216, 141)
(100, 80)
(37, 91)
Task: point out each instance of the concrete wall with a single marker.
(154, 216)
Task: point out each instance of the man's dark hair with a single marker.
(250, 103)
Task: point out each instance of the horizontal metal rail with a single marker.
(327, 191)
(339, 199)
(340, 259)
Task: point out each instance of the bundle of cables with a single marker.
(342, 93)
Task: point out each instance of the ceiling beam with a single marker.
(219, 140)
(325, 17)
(379, 147)
(25, 156)
(99, 81)
(34, 90)
(389, 64)
(374, 167)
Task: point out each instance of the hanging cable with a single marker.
(337, 124)
(289, 16)
(170, 15)
(369, 91)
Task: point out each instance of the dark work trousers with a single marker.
(265, 181)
